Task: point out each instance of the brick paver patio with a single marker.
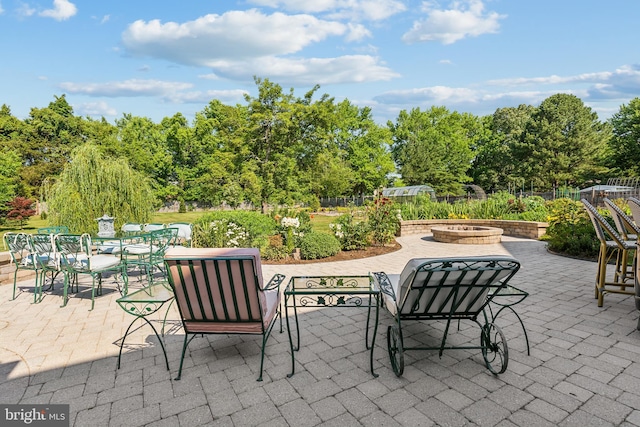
(584, 367)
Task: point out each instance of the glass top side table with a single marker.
(331, 291)
(143, 303)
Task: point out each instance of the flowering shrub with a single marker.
(223, 233)
(570, 230)
(350, 233)
(288, 222)
(290, 226)
(383, 218)
(257, 226)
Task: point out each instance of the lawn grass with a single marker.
(319, 222)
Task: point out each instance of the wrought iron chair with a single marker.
(24, 257)
(77, 257)
(184, 232)
(56, 229)
(221, 291)
(45, 249)
(153, 227)
(148, 255)
(611, 245)
(131, 228)
(447, 289)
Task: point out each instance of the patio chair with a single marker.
(184, 232)
(447, 289)
(131, 228)
(153, 227)
(148, 254)
(612, 245)
(24, 257)
(221, 291)
(627, 229)
(45, 250)
(56, 229)
(77, 257)
(634, 206)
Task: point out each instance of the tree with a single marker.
(92, 185)
(272, 136)
(625, 142)
(49, 136)
(434, 147)
(20, 210)
(9, 178)
(366, 145)
(564, 142)
(494, 167)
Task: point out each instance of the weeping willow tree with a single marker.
(92, 185)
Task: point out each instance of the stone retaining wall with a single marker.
(7, 269)
(527, 229)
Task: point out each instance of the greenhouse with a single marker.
(409, 191)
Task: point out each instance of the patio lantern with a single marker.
(105, 226)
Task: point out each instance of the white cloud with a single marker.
(100, 108)
(357, 32)
(25, 10)
(133, 87)
(105, 19)
(209, 76)
(618, 84)
(1, 9)
(310, 71)
(466, 18)
(229, 97)
(62, 10)
(234, 34)
(373, 10)
(241, 44)
(598, 90)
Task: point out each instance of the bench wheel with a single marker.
(394, 344)
(494, 348)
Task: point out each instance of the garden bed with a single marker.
(342, 255)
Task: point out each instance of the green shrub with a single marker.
(318, 245)
(257, 226)
(383, 219)
(220, 233)
(351, 234)
(570, 230)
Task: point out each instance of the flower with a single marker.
(289, 222)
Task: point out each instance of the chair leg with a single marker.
(15, 283)
(602, 272)
(264, 344)
(184, 350)
(65, 289)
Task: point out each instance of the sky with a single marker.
(156, 58)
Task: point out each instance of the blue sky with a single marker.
(155, 58)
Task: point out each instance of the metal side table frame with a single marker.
(331, 291)
(143, 303)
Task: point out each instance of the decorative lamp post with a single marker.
(105, 226)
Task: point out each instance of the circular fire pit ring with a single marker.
(467, 234)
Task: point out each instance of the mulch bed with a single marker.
(342, 255)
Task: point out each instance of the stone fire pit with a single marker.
(467, 234)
